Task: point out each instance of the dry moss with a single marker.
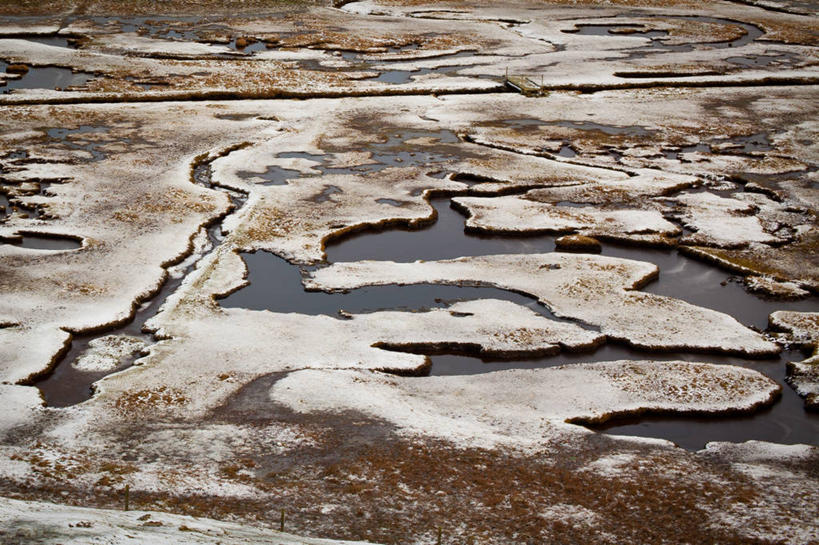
(797, 262)
(150, 400)
(396, 491)
(578, 243)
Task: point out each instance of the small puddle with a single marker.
(531, 124)
(758, 142)
(145, 86)
(5, 207)
(754, 143)
(757, 61)
(391, 202)
(394, 76)
(48, 77)
(401, 49)
(179, 29)
(396, 150)
(667, 74)
(520, 124)
(612, 130)
(24, 209)
(273, 175)
(73, 139)
(56, 41)
(445, 65)
(776, 181)
(249, 48)
(567, 151)
(160, 27)
(33, 241)
(400, 77)
(325, 194)
(616, 29)
(696, 148)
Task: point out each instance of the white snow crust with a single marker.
(106, 353)
(597, 290)
(49, 523)
(522, 214)
(525, 408)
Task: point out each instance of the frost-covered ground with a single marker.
(38, 522)
(144, 154)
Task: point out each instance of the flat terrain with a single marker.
(390, 271)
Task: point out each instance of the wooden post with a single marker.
(127, 494)
(281, 526)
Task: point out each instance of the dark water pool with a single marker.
(35, 241)
(680, 276)
(276, 285)
(785, 422)
(273, 286)
(47, 77)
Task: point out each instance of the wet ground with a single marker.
(275, 285)
(40, 242)
(45, 77)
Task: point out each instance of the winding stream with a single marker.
(681, 277)
(68, 385)
(275, 286)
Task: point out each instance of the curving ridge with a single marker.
(522, 408)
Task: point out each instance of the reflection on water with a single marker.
(49, 77)
(273, 287)
(35, 242)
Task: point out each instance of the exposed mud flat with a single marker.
(349, 315)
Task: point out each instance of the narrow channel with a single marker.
(68, 385)
(273, 286)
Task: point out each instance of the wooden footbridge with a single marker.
(524, 85)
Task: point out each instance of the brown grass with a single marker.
(398, 491)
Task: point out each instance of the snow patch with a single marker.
(597, 290)
(106, 353)
(526, 408)
(41, 522)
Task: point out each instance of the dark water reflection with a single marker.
(48, 77)
(273, 286)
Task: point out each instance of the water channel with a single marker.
(275, 286)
